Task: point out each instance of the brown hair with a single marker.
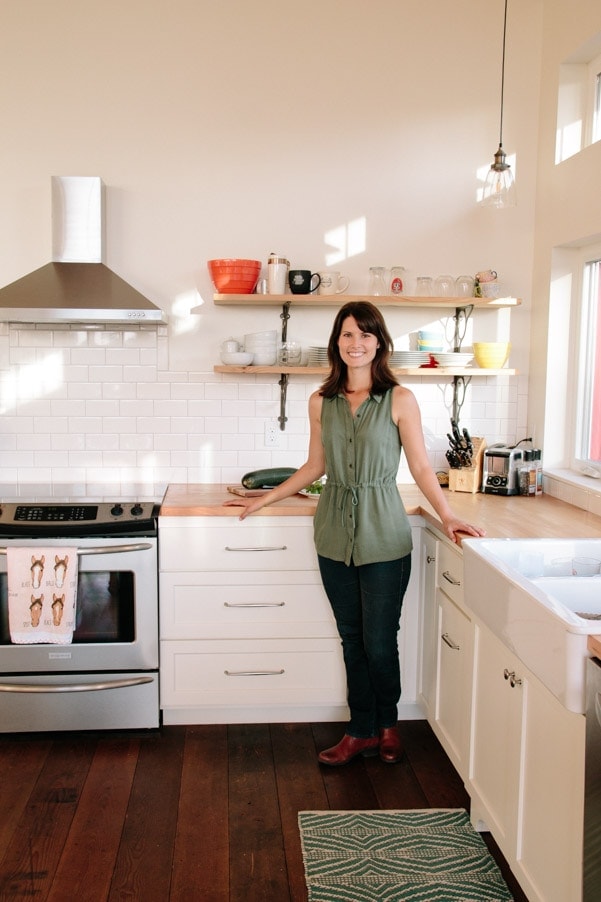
(369, 319)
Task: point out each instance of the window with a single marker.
(579, 101)
(594, 105)
(588, 357)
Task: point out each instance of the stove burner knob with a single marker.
(116, 510)
(136, 510)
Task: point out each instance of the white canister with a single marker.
(277, 274)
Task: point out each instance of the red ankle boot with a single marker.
(347, 749)
(391, 746)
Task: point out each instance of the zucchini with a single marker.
(269, 478)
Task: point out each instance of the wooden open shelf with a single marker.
(436, 371)
(337, 300)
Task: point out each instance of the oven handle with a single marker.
(107, 549)
(75, 687)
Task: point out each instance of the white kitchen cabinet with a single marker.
(454, 658)
(526, 773)
(428, 624)
(247, 633)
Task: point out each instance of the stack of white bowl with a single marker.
(263, 346)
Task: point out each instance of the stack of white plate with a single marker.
(318, 356)
(409, 358)
(263, 346)
(452, 358)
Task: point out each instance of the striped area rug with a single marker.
(425, 855)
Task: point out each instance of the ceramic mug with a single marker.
(332, 283)
(302, 281)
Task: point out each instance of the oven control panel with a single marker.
(111, 518)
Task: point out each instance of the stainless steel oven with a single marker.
(107, 676)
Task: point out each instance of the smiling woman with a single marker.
(360, 419)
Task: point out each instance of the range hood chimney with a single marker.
(76, 287)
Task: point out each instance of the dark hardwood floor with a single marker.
(191, 813)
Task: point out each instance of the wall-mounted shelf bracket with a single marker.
(283, 383)
(461, 318)
(460, 384)
(285, 316)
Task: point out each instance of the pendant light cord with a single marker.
(503, 75)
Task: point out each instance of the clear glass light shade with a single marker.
(499, 187)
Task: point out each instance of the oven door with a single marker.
(117, 611)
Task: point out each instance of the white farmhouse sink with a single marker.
(512, 587)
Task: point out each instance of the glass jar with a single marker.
(396, 280)
(377, 281)
(424, 287)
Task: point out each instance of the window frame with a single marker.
(586, 343)
(593, 104)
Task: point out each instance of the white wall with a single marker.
(236, 129)
(567, 216)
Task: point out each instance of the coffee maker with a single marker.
(500, 473)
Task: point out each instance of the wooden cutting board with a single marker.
(245, 493)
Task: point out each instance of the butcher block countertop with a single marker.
(502, 517)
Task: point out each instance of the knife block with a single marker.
(469, 479)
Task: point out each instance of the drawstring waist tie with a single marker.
(350, 495)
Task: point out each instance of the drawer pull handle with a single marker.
(513, 680)
(258, 548)
(254, 604)
(430, 558)
(448, 641)
(253, 672)
(450, 579)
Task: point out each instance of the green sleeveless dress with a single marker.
(360, 515)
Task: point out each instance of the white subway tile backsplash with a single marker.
(134, 408)
(221, 424)
(92, 357)
(123, 357)
(104, 374)
(136, 441)
(99, 409)
(105, 441)
(192, 391)
(139, 373)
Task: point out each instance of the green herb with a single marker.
(315, 488)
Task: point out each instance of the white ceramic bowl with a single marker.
(237, 358)
(265, 358)
(272, 335)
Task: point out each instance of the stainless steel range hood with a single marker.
(76, 287)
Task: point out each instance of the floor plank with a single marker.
(201, 855)
(86, 866)
(145, 857)
(21, 766)
(257, 860)
(33, 854)
(300, 788)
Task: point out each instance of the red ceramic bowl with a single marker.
(234, 276)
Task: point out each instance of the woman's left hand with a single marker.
(453, 526)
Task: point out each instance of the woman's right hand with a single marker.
(249, 505)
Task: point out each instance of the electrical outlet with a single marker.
(272, 433)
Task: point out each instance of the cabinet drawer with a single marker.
(270, 672)
(221, 611)
(229, 544)
(450, 571)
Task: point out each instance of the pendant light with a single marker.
(499, 187)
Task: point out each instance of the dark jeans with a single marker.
(366, 602)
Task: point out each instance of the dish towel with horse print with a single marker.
(42, 594)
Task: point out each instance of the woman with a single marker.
(359, 420)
